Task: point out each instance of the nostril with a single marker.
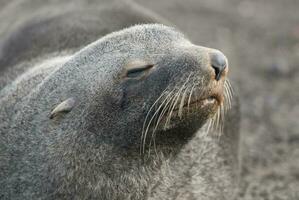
(219, 63)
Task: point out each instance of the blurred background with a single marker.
(261, 40)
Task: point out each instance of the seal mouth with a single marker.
(212, 99)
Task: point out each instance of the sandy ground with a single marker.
(261, 41)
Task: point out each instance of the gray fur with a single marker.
(93, 152)
(46, 27)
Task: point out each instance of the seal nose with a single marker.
(219, 63)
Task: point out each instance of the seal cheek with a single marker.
(115, 98)
(123, 100)
(131, 96)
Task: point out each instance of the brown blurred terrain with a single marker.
(261, 41)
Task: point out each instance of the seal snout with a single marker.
(219, 64)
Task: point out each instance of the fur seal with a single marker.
(141, 113)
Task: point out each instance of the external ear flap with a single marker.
(64, 107)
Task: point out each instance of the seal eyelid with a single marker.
(139, 70)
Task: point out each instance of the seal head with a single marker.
(145, 79)
(141, 89)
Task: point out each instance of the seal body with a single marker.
(133, 115)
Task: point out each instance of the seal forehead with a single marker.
(149, 33)
(150, 36)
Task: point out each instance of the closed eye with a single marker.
(138, 71)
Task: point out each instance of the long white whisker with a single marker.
(167, 105)
(175, 102)
(217, 120)
(183, 99)
(230, 88)
(190, 95)
(182, 103)
(167, 100)
(227, 98)
(148, 113)
(147, 128)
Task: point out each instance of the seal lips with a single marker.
(210, 101)
(213, 98)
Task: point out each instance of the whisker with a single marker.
(147, 128)
(182, 103)
(209, 126)
(170, 107)
(148, 113)
(180, 113)
(167, 100)
(230, 88)
(190, 95)
(218, 118)
(227, 98)
(176, 100)
(213, 122)
(221, 120)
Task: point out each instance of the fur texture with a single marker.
(93, 152)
